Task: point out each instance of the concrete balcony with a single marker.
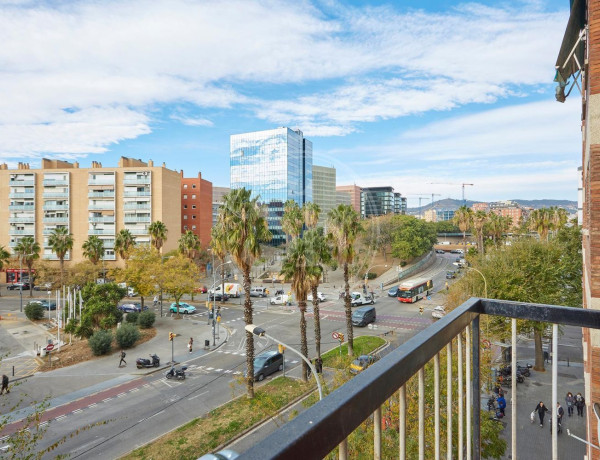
(29, 231)
(55, 207)
(107, 194)
(135, 219)
(22, 183)
(108, 180)
(101, 231)
(55, 183)
(136, 180)
(103, 219)
(28, 194)
(48, 194)
(135, 193)
(128, 206)
(56, 220)
(108, 206)
(21, 220)
(21, 207)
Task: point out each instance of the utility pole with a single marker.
(463, 193)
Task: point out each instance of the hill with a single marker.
(452, 204)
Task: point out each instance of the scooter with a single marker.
(179, 374)
(154, 361)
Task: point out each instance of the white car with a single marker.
(280, 299)
(362, 300)
(320, 296)
(438, 312)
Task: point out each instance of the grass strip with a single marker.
(363, 345)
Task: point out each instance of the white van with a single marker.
(231, 289)
(259, 292)
(282, 299)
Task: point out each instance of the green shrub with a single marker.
(127, 335)
(132, 317)
(34, 311)
(85, 329)
(371, 276)
(108, 322)
(100, 342)
(72, 325)
(146, 319)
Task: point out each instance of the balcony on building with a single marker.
(135, 218)
(133, 205)
(21, 182)
(56, 219)
(108, 219)
(55, 206)
(29, 231)
(55, 182)
(453, 342)
(55, 193)
(20, 219)
(138, 230)
(101, 179)
(23, 193)
(137, 178)
(101, 193)
(49, 230)
(102, 206)
(21, 207)
(139, 192)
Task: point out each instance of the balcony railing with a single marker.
(133, 194)
(21, 207)
(28, 194)
(55, 194)
(326, 425)
(107, 194)
(29, 231)
(135, 218)
(22, 183)
(138, 231)
(56, 220)
(108, 206)
(136, 205)
(101, 231)
(21, 220)
(49, 231)
(55, 182)
(103, 181)
(136, 180)
(105, 219)
(55, 207)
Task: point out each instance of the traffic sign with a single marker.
(335, 335)
(50, 347)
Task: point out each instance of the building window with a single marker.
(193, 185)
(193, 217)
(185, 227)
(185, 206)
(185, 197)
(193, 206)
(193, 227)
(185, 217)
(184, 185)
(193, 197)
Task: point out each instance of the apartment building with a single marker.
(324, 193)
(196, 207)
(88, 201)
(218, 194)
(354, 194)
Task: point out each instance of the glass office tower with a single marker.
(276, 165)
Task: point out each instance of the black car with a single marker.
(17, 286)
(440, 251)
(218, 297)
(393, 292)
(131, 307)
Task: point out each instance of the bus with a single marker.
(411, 291)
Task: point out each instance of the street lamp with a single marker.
(484, 280)
(21, 277)
(260, 332)
(367, 273)
(214, 297)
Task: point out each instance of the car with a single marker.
(458, 264)
(131, 307)
(454, 251)
(393, 292)
(439, 312)
(42, 287)
(131, 292)
(281, 299)
(200, 289)
(440, 251)
(218, 297)
(18, 286)
(362, 300)
(450, 274)
(45, 304)
(361, 363)
(224, 454)
(320, 296)
(184, 308)
(267, 363)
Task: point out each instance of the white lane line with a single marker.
(209, 368)
(146, 385)
(237, 373)
(107, 399)
(228, 371)
(92, 405)
(3, 438)
(133, 390)
(218, 370)
(60, 418)
(197, 396)
(77, 411)
(120, 395)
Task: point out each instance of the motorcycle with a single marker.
(179, 374)
(154, 361)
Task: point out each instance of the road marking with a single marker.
(3, 438)
(107, 399)
(92, 405)
(120, 395)
(197, 396)
(228, 371)
(77, 411)
(237, 373)
(218, 370)
(209, 368)
(158, 413)
(60, 418)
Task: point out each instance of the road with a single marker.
(139, 409)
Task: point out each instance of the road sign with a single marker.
(50, 347)
(335, 335)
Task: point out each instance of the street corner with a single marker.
(19, 367)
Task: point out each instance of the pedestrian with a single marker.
(447, 286)
(319, 365)
(579, 403)
(123, 354)
(570, 400)
(541, 409)
(191, 344)
(155, 300)
(501, 404)
(4, 384)
(559, 415)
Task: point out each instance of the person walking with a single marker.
(501, 404)
(4, 384)
(570, 400)
(123, 354)
(155, 300)
(579, 403)
(541, 409)
(191, 344)
(559, 415)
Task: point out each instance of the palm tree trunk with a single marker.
(223, 283)
(249, 336)
(30, 281)
(317, 316)
(348, 309)
(539, 352)
(303, 341)
(142, 299)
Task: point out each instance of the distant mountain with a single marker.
(452, 204)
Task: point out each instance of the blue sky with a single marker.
(421, 95)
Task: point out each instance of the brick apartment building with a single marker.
(354, 191)
(196, 207)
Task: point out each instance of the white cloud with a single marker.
(189, 121)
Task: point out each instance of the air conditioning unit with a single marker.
(145, 173)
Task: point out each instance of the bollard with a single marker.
(13, 371)
(206, 344)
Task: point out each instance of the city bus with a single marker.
(411, 291)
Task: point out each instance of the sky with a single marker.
(420, 95)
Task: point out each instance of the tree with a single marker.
(28, 250)
(295, 267)
(123, 243)
(179, 275)
(311, 213)
(540, 222)
(379, 234)
(411, 237)
(61, 242)
(463, 218)
(189, 244)
(245, 227)
(93, 249)
(344, 228)
(100, 307)
(480, 218)
(446, 226)
(318, 255)
(141, 270)
(292, 220)
(4, 258)
(158, 233)
(218, 245)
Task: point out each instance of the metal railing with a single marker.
(55, 194)
(107, 194)
(108, 206)
(136, 193)
(136, 218)
(327, 424)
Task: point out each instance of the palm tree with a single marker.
(295, 267)
(245, 227)
(123, 243)
(61, 242)
(540, 222)
(158, 232)
(480, 218)
(4, 258)
(218, 246)
(319, 254)
(463, 219)
(344, 228)
(28, 251)
(311, 214)
(189, 244)
(93, 249)
(559, 218)
(292, 220)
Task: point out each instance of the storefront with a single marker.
(15, 275)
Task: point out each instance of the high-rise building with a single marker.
(217, 201)
(399, 203)
(196, 207)
(276, 165)
(354, 196)
(378, 201)
(342, 198)
(88, 201)
(324, 193)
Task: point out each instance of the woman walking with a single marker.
(580, 404)
(570, 400)
(541, 409)
(191, 344)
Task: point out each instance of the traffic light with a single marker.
(341, 336)
(281, 348)
(421, 309)
(171, 336)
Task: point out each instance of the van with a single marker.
(259, 292)
(280, 299)
(363, 316)
(267, 363)
(231, 289)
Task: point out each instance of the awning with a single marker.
(565, 63)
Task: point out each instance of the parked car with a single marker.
(440, 251)
(363, 316)
(131, 307)
(45, 304)
(259, 292)
(42, 287)
(184, 308)
(200, 289)
(438, 312)
(281, 299)
(362, 300)
(320, 296)
(393, 292)
(218, 297)
(17, 286)
(267, 363)
(361, 363)
(450, 274)
(455, 251)
(225, 454)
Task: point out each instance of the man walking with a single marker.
(123, 354)
(4, 384)
(559, 415)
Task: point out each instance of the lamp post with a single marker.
(214, 297)
(367, 273)
(260, 332)
(484, 280)
(21, 277)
